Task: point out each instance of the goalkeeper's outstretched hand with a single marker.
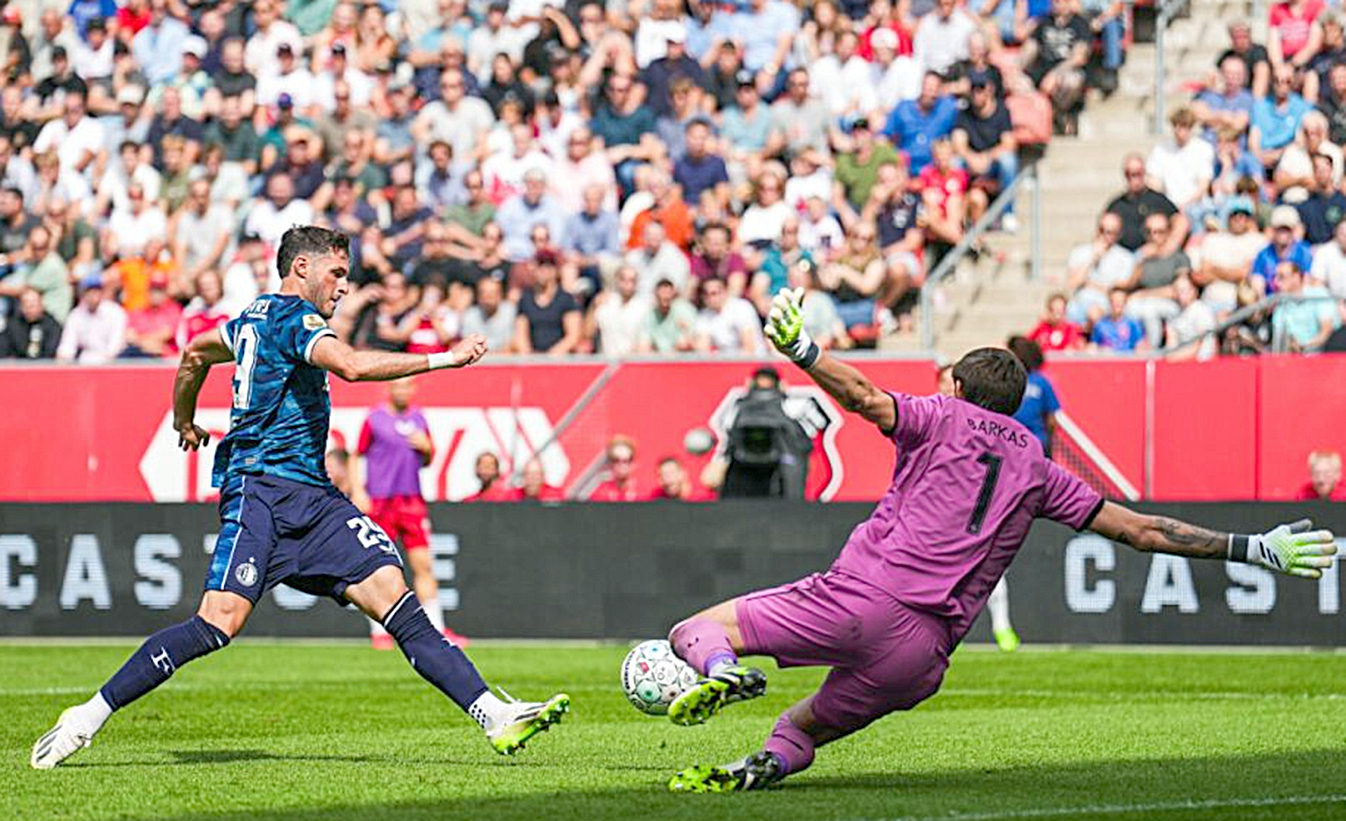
(785, 327)
(1295, 549)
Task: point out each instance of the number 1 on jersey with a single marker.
(992, 463)
(245, 343)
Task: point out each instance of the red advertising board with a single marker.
(1233, 429)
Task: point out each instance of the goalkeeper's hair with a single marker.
(306, 240)
(992, 378)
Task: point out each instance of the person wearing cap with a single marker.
(1227, 255)
(192, 81)
(95, 331)
(151, 331)
(158, 47)
(340, 74)
(983, 140)
(894, 76)
(1285, 246)
(290, 79)
(857, 170)
(746, 125)
(60, 82)
(659, 76)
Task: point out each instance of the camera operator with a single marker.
(767, 450)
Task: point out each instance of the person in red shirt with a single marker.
(494, 488)
(151, 331)
(674, 486)
(621, 483)
(204, 312)
(1324, 478)
(535, 487)
(1054, 333)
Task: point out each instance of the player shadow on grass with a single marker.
(1180, 788)
(229, 757)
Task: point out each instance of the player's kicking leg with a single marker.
(508, 724)
(710, 642)
(220, 618)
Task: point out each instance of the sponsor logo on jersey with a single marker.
(313, 322)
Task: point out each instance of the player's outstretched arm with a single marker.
(331, 354)
(852, 389)
(205, 350)
(1295, 549)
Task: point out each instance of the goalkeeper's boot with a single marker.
(726, 686)
(527, 719)
(1007, 639)
(756, 772)
(72, 733)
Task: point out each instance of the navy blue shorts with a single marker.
(275, 531)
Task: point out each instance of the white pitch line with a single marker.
(1121, 809)
(1085, 695)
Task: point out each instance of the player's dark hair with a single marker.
(992, 378)
(1028, 351)
(305, 240)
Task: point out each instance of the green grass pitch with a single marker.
(338, 731)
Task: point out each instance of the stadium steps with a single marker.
(990, 298)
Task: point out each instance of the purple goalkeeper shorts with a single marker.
(885, 656)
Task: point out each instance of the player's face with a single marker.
(327, 281)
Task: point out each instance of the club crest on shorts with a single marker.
(246, 574)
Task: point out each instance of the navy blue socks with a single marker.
(159, 656)
(439, 662)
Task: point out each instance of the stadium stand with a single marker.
(153, 153)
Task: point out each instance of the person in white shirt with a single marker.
(1329, 263)
(618, 315)
(894, 77)
(76, 137)
(130, 229)
(658, 259)
(272, 217)
(942, 36)
(1194, 321)
(843, 80)
(95, 331)
(291, 78)
(461, 121)
(727, 324)
(117, 180)
(1182, 167)
(260, 55)
(1094, 268)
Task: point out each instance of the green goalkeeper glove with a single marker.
(1294, 549)
(785, 328)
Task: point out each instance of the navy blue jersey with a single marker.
(278, 425)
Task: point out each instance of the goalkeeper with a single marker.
(911, 579)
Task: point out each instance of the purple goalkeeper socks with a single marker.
(703, 644)
(791, 746)
(159, 656)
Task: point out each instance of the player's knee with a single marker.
(226, 613)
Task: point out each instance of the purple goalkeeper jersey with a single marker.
(967, 485)
(392, 465)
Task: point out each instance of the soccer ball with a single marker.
(652, 677)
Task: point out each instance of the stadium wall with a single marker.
(1217, 431)
(627, 571)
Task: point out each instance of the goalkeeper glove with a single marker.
(1294, 549)
(785, 328)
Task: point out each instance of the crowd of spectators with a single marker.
(579, 176)
(1243, 199)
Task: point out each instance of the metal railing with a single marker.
(1268, 303)
(1167, 11)
(949, 262)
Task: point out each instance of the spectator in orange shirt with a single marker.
(621, 484)
(1054, 332)
(669, 211)
(1324, 478)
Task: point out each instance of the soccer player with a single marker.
(395, 442)
(282, 521)
(909, 582)
(998, 602)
